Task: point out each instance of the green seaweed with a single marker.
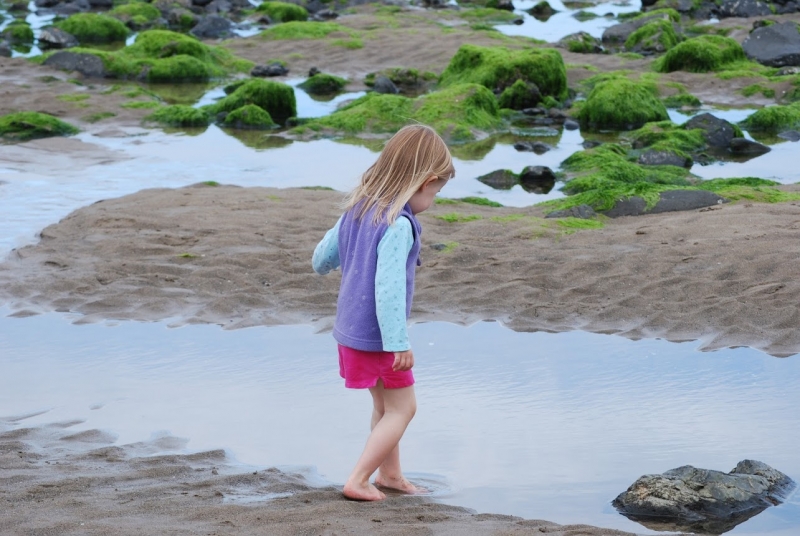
(250, 117)
(488, 15)
(773, 118)
(97, 116)
(519, 95)
(499, 68)
(455, 217)
(137, 15)
(679, 100)
(621, 104)
(283, 11)
(94, 28)
(275, 98)
(141, 105)
(18, 32)
(749, 189)
(751, 90)
(23, 126)
(701, 54)
(657, 35)
(323, 84)
(482, 201)
(305, 30)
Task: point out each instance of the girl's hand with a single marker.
(403, 360)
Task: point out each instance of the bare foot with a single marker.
(399, 484)
(366, 492)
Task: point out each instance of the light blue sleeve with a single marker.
(326, 254)
(390, 285)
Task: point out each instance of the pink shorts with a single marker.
(362, 370)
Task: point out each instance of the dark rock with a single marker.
(17, 6)
(670, 201)
(46, 3)
(583, 212)
(688, 499)
(201, 3)
(518, 22)
(717, 132)
(742, 146)
(571, 124)
(52, 37)
(325, 14)
(537, 179)
(589, 144)
(101, 4)
(744, 8)
(791, 135)
(683, 6)
(542, 11)
(87, 64)
(264, 19)
(5, 50)
(213, 27)
(273, 69)
(502, 179)
(664, 158)
(537, 147)
(534, 111)
(506, 5)
(439, 247)
(384, 85)
(788, 7)
(313, 71)
(775, 46)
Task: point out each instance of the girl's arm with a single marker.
(390, 285)
(326, 254)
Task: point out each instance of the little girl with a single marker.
(377, 242)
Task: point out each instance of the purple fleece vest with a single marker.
(356, 323)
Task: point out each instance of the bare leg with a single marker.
(393, 409)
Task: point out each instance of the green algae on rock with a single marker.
(136, 15)
(18, 32)
(23, 126)
(249, 117)
(621, 104)
(305, 30)
(774, 118)
(283, 11)
(180, 115)
(93, 28)
(323, 84)
(667, 136)
(701, 54)
(749, 189)
(458, 113)
(654, 37)
(520, 95)
(275, 98)
(498, 68)
(679, 100)
(488, 15)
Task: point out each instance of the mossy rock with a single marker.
(680, 100)
(18, 33)
(402, 77)
(701, 54)
(180, 115)
(621, 104)
(669, 137)
(94, 28)
(457, 113)
(611, 162)
(283, 11)
(323, 84)
(180, 68)
(497, 68)
(773, 118)
(655, 37)
(275, 98)
(136, 15)
(22, 126)
(520, 95)
(250, 117)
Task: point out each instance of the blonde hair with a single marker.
(413, 155)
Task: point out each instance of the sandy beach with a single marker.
(240, 257)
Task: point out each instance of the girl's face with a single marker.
(423, 198)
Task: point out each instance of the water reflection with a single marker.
(549, 426)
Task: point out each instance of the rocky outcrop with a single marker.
(88, 65)
(777, 45)
(702, 500)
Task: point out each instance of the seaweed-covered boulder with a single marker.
(497, 68)
(249, 117)
(776, 45)
(520, 95)
(621, 104)
(581, 43)
(773, 119)
(717, 132)
(618, 34)
(213, 27)
(283, 11)
(655, 37)
(88, 65)
(18, 32)
(703, 500)
(179, 115)
(137, 15)
(501, 179)
(744, 9)
(94, 28)
(23, 126)
(323, 84)
(52, 37)
(273, 97)
(701, 54)
(542, 11)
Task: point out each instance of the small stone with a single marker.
(384, 85)
(791, 135)
(571, 124)
(273, 69)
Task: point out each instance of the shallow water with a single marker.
(549, 426)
